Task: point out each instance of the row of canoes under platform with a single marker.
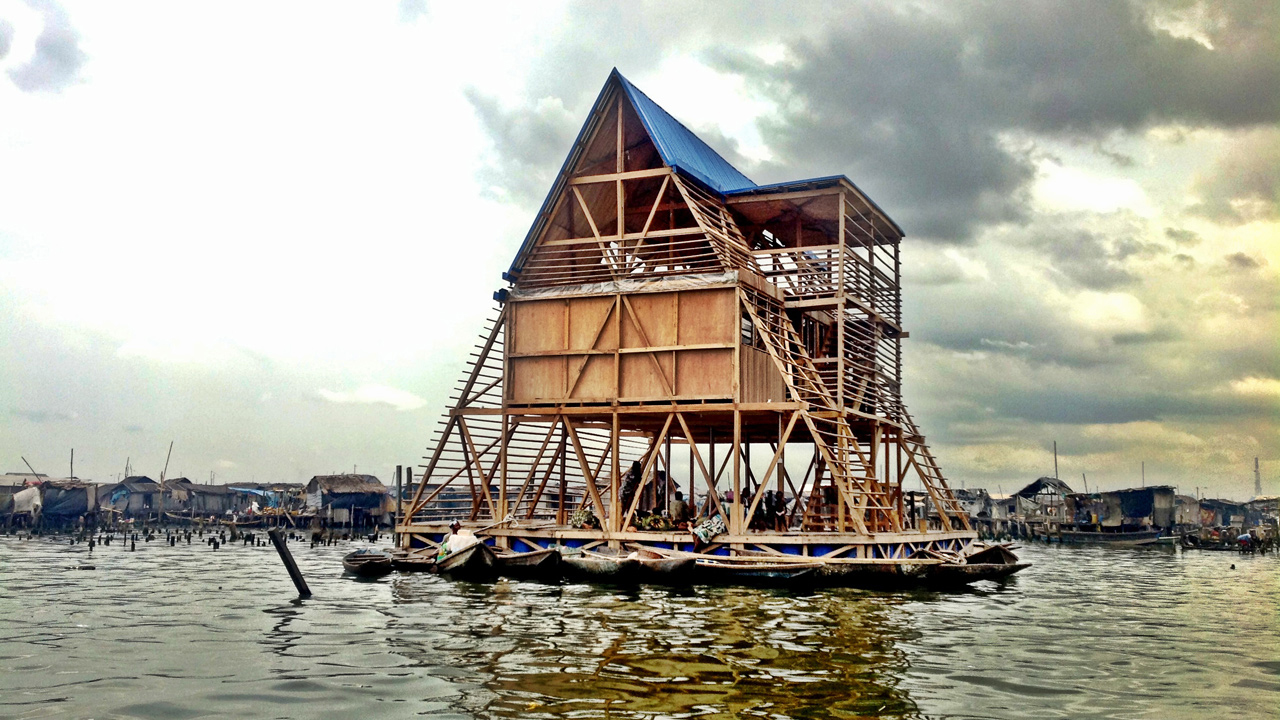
(639, 564)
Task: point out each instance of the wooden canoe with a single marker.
(474, 561)
(756, 573)
(543, 563)
(594, 566)
(963, 574)
(653, 567)
(367, 563)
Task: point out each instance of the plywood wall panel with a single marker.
(761, 381)
(585, 318)
(656, 313)
(537, 379)
(708, 316)
(704, 373)
(597, 381)
(640, 378)
(538, 326)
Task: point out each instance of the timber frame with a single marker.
(664, 324)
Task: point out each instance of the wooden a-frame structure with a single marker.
(662, 300)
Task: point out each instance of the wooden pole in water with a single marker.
(287, 558)
(399, 494)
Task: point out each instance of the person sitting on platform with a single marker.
(679, 509)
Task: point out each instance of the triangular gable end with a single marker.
(624, 157)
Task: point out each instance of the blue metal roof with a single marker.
(680, 148)
(788, 184)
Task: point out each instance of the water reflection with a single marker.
(541, 650)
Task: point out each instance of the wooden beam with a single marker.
(484, 480)
(615, 176)
(587, 476)
(693, 449)
(777, 457)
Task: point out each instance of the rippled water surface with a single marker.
(190, 632)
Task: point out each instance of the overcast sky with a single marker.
(270, 232)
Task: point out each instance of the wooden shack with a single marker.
(347, 499)
(668, 323)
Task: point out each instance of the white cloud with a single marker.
(1110, 312)
(1256, 387)
(702, 97)
(1063, 188)
(375, 394)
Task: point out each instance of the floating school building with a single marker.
(664, 308)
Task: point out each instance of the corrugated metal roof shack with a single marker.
(135, 496)
(355, 500)
(184, 496)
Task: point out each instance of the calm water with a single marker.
(191, 632)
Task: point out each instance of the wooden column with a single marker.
(711, 453)
(561, 516)
(502, 465)
(735, 524)
(693, 506)
(615, 502)
(782, 456)
(666, 486)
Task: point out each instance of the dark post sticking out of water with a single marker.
(399, 495)
(287, 558)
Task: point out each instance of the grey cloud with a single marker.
(1182, 238)
(133, 428)
(1164, 334)
(1244, 185)
(529, 144)
(1185, 259)
(918, 104)
(1089, 255)
(6, 37)
(57, 59)
(1241, 261)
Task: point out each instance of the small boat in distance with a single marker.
(367, 563)
(1119, 538)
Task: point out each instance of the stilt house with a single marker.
(666, 317)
